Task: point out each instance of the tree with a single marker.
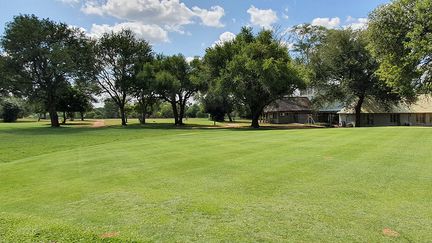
(10, 109)
(119, 57)
(73, 100)
(305, 39)
(193, 110)
(110, 109)
(256, 69)
(218, 104)
(144, 91)
(346, 71)
(176, 82)
(401, 40)
(45, 56)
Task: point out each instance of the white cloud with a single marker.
(330, 23)
(224, 37)
(262, 17)
(210, 17)
(190, 59)
(151, 33)
(170, 13)
(165, 12)
(356, 23)
(285, 14)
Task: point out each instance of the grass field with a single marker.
(161, 183)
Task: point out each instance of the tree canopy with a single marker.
(344, 70)
(176, 81)
(256, 69)
(119, 60)
(401, 40)
(46, 56)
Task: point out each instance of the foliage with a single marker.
(165, 110)
(256, 69)
(401, 40)
(345, 71)
(73, 100)
(111, 109)
(193, 110)
(119, 58)
(305, 39)
(10, 109)
(144, 89)
(44, 56)
(217, 105)
(176, 82)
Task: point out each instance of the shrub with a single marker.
(10, 110)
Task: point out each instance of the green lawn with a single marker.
(161, 183)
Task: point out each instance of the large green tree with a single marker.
(177, 81)
(119, 60)
(256, 69)
(344, 70)
(144, 90)
(45, 56)
(401, 40)
(305, 38)
(72, 100)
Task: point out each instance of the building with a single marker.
(289, 110)
(374, 114)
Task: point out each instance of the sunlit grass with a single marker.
(159, 182)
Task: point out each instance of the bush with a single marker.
(10, 110)
(193, 110)
(166, 110)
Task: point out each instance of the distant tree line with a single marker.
(59, 70)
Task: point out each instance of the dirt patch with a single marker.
(389, 232)
(232, 125)
(109, 235)
(98, 123)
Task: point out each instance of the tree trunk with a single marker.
(229, 117)
(123, 116)
(256, 113)
(82, 116)
(175, 112)
(358, 107)
(181, 115)
(143, 115)
(64, 118)
(255, 120)
(54, 117)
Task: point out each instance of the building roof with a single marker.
(422, 105)
(290, 104)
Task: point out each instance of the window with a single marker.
(421, 118)
(282, 114)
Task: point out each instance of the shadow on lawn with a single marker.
(86, 127)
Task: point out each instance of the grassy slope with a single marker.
(214, 184)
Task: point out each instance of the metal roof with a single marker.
(422, 105)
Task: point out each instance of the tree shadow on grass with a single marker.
(85, 127)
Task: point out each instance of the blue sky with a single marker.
(189, 26)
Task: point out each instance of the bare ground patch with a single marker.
(389, 232)
(98, 123)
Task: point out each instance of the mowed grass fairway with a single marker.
(159, 183)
